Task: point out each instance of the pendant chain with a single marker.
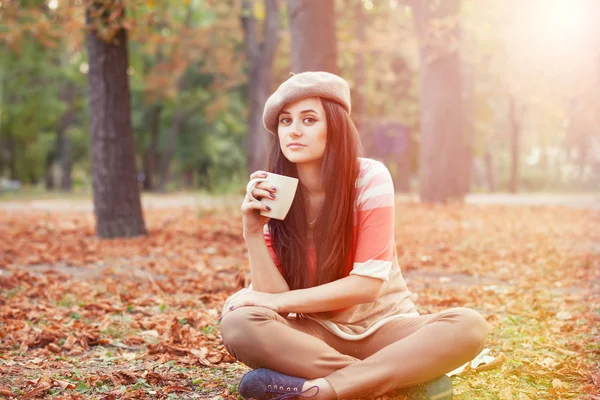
(318, 212)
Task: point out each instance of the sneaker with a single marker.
(264, 383)
(437, 389)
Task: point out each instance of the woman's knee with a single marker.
(239, 326)
(234, 324)
(471, 327)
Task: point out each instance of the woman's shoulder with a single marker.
(370, 163)
(369, 168)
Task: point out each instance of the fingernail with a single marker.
(268, 208)
(220, 318)
(271, 195)
(231, 308)
(264, 173)
(274, 188)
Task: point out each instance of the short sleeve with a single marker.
(375, 243)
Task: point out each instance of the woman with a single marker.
(329, 314)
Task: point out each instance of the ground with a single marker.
(82, 317)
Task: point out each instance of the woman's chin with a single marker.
(299, 159)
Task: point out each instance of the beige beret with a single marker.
(303, 85)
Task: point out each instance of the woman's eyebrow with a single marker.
(301, 112)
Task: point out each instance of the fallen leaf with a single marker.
(170, 389)
(44, 384)
(559, 385)
(564, 315)
(505, 394)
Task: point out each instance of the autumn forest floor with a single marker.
(82, 317)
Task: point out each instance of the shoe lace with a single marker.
(286, 396)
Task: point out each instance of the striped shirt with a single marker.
(375, 257)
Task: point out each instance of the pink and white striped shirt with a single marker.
(375, 256)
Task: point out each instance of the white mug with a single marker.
(284, 195)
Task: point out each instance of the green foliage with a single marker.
(187, 61)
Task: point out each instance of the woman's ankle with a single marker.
(325, 390)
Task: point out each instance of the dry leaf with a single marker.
(559, 385)
(505, 394)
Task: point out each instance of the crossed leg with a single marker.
(404, 352)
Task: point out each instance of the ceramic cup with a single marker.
(286, 189)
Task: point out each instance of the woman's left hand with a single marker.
(249, 297)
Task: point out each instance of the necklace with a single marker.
(318, 212)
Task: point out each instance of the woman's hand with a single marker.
(253, 222)
(249, 297)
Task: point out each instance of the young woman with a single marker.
(329, 314)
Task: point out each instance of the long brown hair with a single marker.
(333, 231)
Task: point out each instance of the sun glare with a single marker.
(549, 35)
(53, 4)
(565, 21)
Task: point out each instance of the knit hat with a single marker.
(303, 85)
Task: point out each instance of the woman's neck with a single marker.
(310, 176)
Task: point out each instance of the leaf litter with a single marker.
(82, 317)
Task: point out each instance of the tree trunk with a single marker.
(66, 182)
(468, 84)
(442, 145)
(203, 175)
(150, 159)
(514, 145)
(582, 157)
(49, 171)
(117, 202)
(2, 160)
(12, 154)
(188, 178)
(489, 171)
(64, 144)
(176, 124)
(312, 30)
(260, 60)
(544, 157)
(403, 168)
(360, 80)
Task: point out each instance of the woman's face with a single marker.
(302, 130)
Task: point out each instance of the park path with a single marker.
(153, 201)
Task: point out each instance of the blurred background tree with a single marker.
(116, 195)
(455, 97)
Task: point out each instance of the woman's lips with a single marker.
(295, 146)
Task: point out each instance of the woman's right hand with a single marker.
(252, 221)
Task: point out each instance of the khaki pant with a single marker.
(403, 352)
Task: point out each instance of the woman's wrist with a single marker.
(250, 236)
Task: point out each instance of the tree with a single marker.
(260, 64)
(443, 148)
(116, 195)
(312, 29)
(515, 133)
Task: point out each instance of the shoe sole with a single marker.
(437, 389)
(440, 389)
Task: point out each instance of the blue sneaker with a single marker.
(264, 383)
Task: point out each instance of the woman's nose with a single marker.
(295, 128)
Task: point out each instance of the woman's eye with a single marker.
(310, 120)
(284, 121)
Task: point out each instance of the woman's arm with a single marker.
(264, 274)
(336, 295)
(342, 293)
